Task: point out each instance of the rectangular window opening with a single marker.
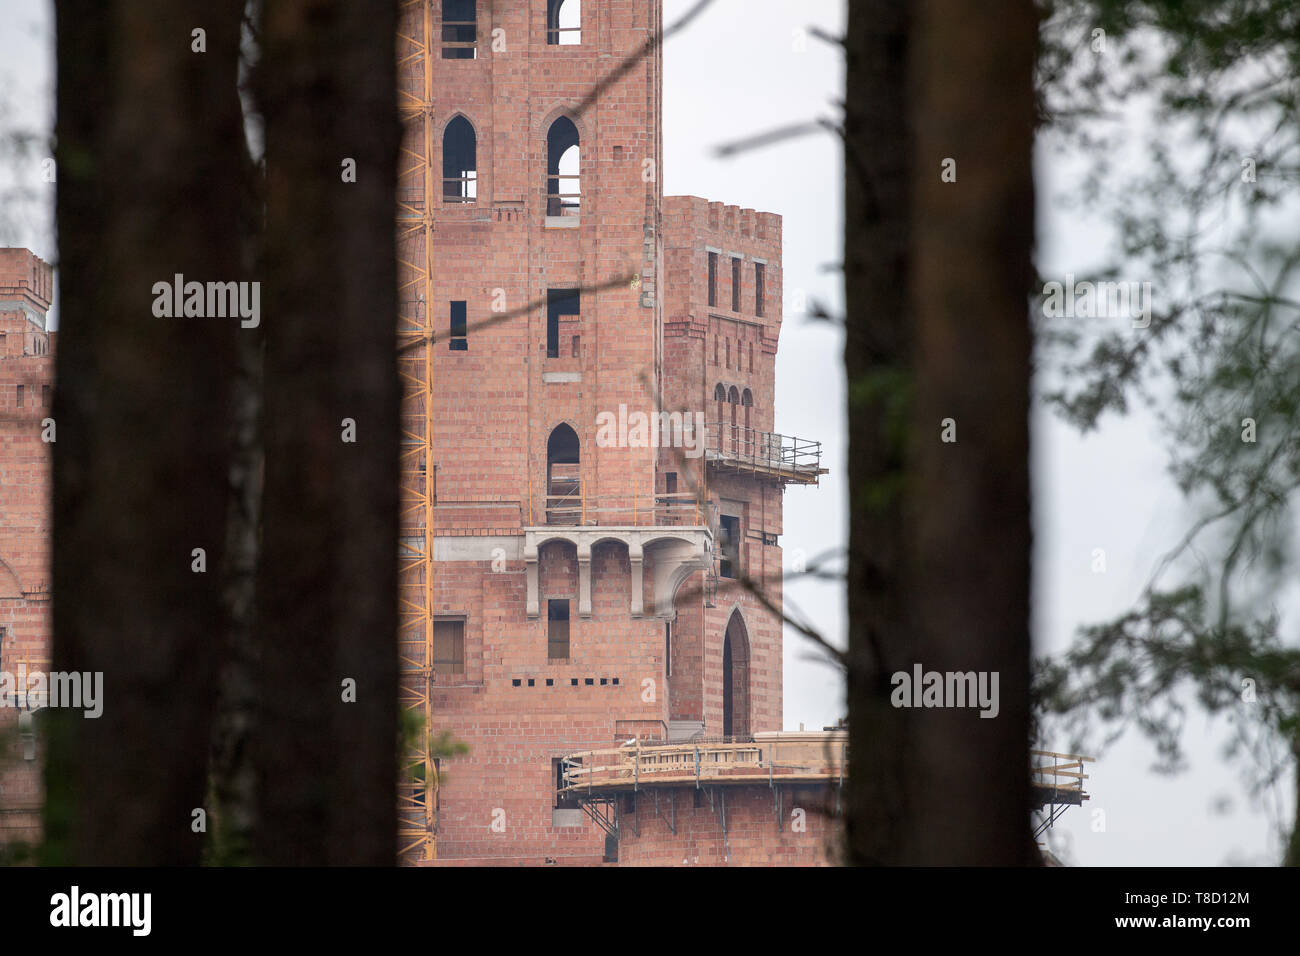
(561, 303)
(759, 276)
(557, 629)
(459, 341)
(459, 29)
(735, 284)
(713, 279)
(449, 646)
(728, 546)
(563, 801)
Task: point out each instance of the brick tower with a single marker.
(26, 379)
(589, 469)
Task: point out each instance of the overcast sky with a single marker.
(748, 65)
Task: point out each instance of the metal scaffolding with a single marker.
(418, 784)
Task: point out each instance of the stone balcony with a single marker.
(676, 552)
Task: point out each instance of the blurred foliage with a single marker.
(1185, 112)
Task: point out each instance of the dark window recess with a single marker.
(715, 347)
(760, 271)
(728, 546)
(560, 302)
(589, 682)
(550, 682)
(20, 396)
(615, 681)
(604, 681)
(735, 285)
(573, 682)
(769, 538)
(713, 282)
(516, 682)
(670, 482)
(557, 629)
(459, 29)
(728, 353)
(449, 647)
(459, 341)
(531, 682)
(751, 356)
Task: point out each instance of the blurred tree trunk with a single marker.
(326, 767)
(149, 151)
(877, 354)
(968, 519)
(937, 295)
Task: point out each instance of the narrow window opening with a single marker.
(20, 396)
(668, 648)
(459, 162)
(561, 304)
(713, 281)
(760, 271)
(735, 284)
(751, 356)
(459, 29)
(729, 546)
(557, 629)
(459, 341)
(563, 164)
(670, 482)
(563, 476)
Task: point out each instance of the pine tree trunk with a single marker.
(877, 355)
(936, 287)
(327, 767)
(968, 521)
(149, 144)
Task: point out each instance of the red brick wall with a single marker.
(753, 837)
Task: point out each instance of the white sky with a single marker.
(745, 66)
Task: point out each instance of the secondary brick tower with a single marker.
(26, 378)
(590, 472)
